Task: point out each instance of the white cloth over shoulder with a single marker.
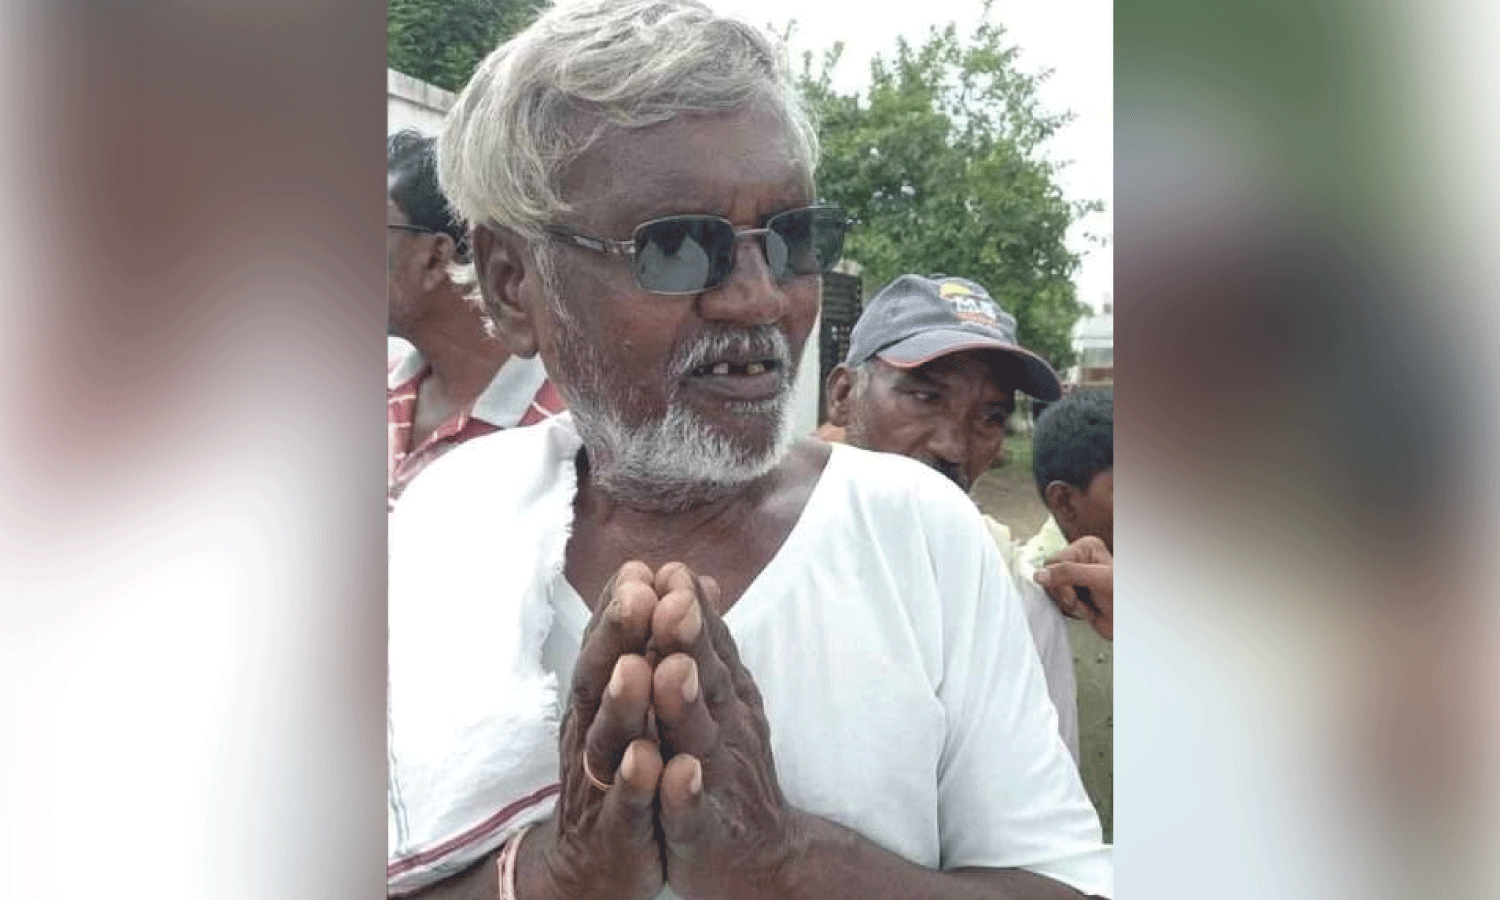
(903, 693)
(1049, 631)
(472, 716)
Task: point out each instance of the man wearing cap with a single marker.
(932, 374)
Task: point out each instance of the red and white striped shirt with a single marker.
(519, 395)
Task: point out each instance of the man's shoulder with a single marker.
(895, 494)
(870, 468)
(1048, 540)
(402, 362)
(891, 475)
(493, 469)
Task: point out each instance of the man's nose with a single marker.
(950, 442)
(751, 295)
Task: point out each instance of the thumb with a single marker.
(683, 811)
(629, 803)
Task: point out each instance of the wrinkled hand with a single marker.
(1085, 563)
(603, 844)
(724, 819)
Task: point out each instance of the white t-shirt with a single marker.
(902, 689)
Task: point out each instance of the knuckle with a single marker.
(717, 692)
(582, 695)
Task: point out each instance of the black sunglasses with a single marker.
(691, 254)
(414, 229)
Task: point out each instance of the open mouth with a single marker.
(723, 367)
(740, 380)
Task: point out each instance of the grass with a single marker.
(1017, 454)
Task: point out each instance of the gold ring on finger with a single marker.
(594, 779)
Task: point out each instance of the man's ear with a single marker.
(502, 264)
(1062, 503)
(840, 392)
(439, 257)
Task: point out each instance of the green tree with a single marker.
(442, 41)
(941, 163)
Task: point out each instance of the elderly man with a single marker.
(932, 374)
(702, 658)
(457, 381)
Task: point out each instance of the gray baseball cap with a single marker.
(916, 319)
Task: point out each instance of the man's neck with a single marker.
(452, 339)
(688, 507)
(730, 537)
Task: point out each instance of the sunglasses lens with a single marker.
(683, 254)
(778, 254)
(810, 240)
(688, 254)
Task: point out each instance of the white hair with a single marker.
(859, 377)
(465, 279)
(540, 100)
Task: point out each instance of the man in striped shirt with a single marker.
(457, 380)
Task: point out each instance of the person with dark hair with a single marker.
(457, 380)
(1073, 462)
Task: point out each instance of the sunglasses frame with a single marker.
(414, 229)
(627, 247)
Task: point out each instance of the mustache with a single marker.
(759, 342)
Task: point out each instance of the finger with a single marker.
(630, 804)
(633, 572)
(621, 718)
(678, 626)
(676, 621)
(1094, 549)
(1086, 597)
(1067, 601)
(674, 575)
(1087, 549)
(621, 625)
(682, 715)
(683, 814)
(708, 586)
(746, 693)
(1089, 575)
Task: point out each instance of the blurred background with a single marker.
(1304, 195)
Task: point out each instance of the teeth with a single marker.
(755, 368)
(720, 369)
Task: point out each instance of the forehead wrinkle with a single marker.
(920, 376)
(672, 194)
(680, 182)
(945, 370)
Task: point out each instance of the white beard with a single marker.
(678, 460)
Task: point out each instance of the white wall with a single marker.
(805, 391)
(410, 103)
